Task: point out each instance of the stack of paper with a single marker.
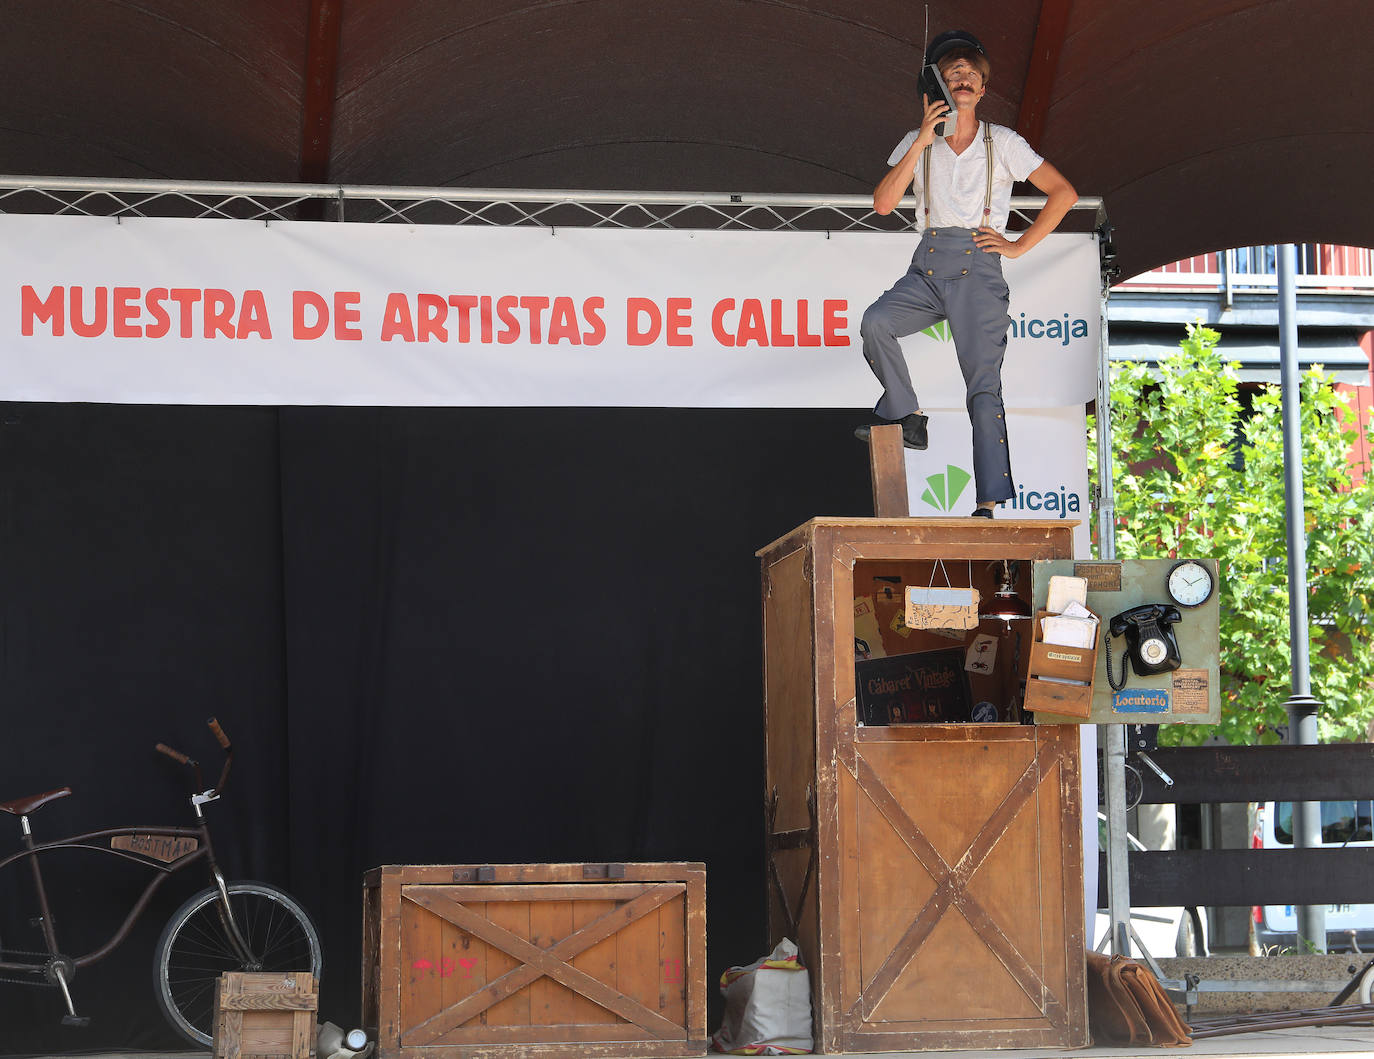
(1075, 627)
(1065, 590)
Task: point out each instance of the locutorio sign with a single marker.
(240, 312)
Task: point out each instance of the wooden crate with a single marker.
(539, 960)
(264, 1014)
(932, 874)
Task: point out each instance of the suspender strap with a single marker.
(925, 181)
(987, 149)
(925, 177)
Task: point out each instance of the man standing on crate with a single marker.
(962, 171)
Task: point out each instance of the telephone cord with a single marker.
(1117, 685)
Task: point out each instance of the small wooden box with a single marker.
(535, 960)
(1059, 663)
(261, 1014)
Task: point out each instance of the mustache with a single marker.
(965, 85)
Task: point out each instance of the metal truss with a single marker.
(495, 207)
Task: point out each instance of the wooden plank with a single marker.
(788, 706)
(887, 468)
(550, 1002)
(575, 1034)
(372, 938)
(422, 991)
(696, 961)
(598, 961)
(1244, 877)
(927, 538)
(303, 1034)
(670, 972)
(462, 965)
(833, 601)
(511, 874)
(505, 1042)
(512, 917)
(1211, 774)
(637, 966)
(1061, 860)
(270, 1002)
(228, 1041)
(595, 891)
(389, 974)
(267, 1034)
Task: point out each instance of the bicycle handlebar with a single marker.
(228, 754)
(175, 755)
(184, 759)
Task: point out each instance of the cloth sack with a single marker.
(767, 1006)
(1127, 1005)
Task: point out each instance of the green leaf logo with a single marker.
(939, 332)
(943, 490)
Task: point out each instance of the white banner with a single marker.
(1049, 464)
(241, 312)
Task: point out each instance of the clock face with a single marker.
(1190, 583)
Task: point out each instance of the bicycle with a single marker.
(229, 926)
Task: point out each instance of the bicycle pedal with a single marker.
(79, 1021)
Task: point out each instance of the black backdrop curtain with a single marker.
(435, 636)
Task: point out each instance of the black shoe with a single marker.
(914, 434)
(981, 512)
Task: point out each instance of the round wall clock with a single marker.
(1190, 583)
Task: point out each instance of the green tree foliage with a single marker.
(1195, 476)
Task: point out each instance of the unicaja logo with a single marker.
(1058, 500)
(940, 332)
(943, 490)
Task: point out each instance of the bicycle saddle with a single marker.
(24, 806)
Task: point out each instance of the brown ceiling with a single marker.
(1203, 123)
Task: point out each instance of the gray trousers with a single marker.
(950, 279)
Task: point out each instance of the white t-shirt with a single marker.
(961, 180)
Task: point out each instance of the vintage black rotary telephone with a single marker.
(1151, 644)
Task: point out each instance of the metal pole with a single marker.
(1111, 736)
(1301, 706)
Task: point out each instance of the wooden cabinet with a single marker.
(930, 873)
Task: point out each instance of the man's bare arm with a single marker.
(892, 187)
(1060, 198)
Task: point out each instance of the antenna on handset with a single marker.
(925, 38)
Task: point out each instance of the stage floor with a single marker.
(1346, 1042)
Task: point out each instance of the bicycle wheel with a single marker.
(195, 949)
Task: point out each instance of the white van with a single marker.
(1344, 824)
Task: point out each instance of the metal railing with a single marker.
(100, 197)
(1322, 268)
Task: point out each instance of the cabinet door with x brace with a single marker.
(962, 893)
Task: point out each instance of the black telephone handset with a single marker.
(1151, 644)
(933, 88)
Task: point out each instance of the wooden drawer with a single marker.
(543, 960)
(1060, 679)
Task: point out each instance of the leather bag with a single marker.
(1127, 1005)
